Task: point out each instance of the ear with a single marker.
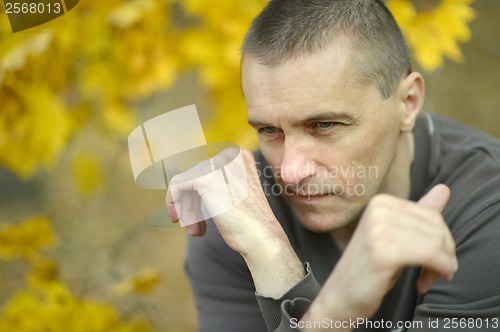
(411, 93)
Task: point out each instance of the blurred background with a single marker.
(82, 248)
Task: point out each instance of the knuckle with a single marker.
(176, 180)
(378, 241)
(377, 212)
(383, 201)
(432, 249)
(382, 253)
(380, 199)
(247, 155)
(428, 255)
(441, 238)
(435, 216)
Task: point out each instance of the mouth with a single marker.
(312, 198)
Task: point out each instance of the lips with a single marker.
(312, 198)
(311, 194)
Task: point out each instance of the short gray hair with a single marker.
(287, 29)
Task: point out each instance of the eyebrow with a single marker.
(331, 116)
(256, 123)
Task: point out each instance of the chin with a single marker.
(323, 222)
(327, 215)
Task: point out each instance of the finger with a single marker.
(450, 248)
(203, 228)
(251, 169)
(428, 277)
(175, 196)
(442, 264)
(225, 157)
(420, 244)
(425, 280)
(172, 213)
(437, 263)
(436, 198)
(249, 160)
(197, 229)
(189, 208)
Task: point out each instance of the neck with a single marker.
(396, 183)
(398, 179)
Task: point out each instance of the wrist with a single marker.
(318, 312)
(274, 265)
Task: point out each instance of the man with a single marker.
(331, 94)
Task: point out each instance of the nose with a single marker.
(297, 163)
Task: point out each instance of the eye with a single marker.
(325, 125)
(268, 130)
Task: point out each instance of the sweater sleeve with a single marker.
(222, 286)
(278, 313)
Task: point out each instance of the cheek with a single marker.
(365, 158)
(378, 152)
(273, 155)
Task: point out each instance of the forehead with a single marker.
(333, 61)
(308, 84)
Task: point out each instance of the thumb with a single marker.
(436, 198)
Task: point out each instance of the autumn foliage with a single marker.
(91, 67)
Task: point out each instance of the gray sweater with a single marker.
(445, 152)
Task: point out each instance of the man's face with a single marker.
(330, 140)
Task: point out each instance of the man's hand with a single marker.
(392, 234)
(250, 228)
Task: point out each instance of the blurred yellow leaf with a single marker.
(118, 118)
(25, 240)
(130, 12)
(436, 33)
(106, 55)
(16, 57)
(53, 308)
(44, 271)
(87, 173)
(34, 128)
(144, 282)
